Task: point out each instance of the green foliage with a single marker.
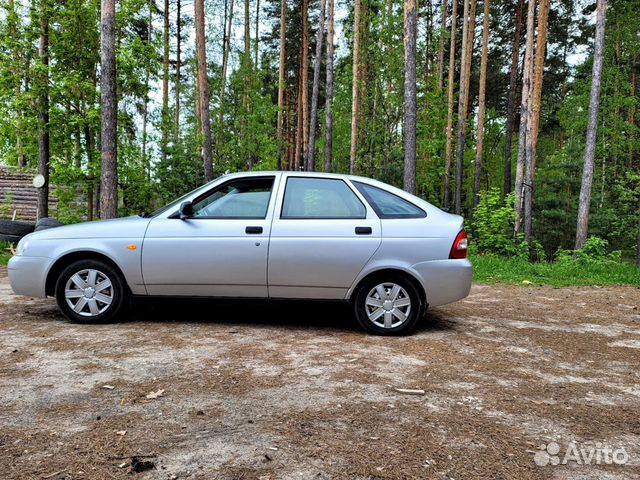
(567, 272)
(595, 250)
(5, 252)
(5, 206)
(492, 224)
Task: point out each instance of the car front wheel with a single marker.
(90, 291)
(387, 306)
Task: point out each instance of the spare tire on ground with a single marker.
(45, 223)
(10, 238)
(15, 227)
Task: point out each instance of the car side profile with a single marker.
(289, 235)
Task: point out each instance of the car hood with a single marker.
(129, 227)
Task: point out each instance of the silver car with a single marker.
(259, 235)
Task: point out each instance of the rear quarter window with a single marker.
(387, 204)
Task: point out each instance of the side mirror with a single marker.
(186, 210)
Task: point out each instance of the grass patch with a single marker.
(565, 273)
(5, 253)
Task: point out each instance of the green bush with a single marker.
(5, 252)
(492, 225)
(595, 250)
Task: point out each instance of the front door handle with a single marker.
(363, 230)
(253, 230)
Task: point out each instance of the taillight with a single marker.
(460, 244)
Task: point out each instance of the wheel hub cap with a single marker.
(388, 305)
(89, 292)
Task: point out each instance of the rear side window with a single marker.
(387, 204)
(320, 198)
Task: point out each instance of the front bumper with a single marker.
(28, 275)
(445, 281)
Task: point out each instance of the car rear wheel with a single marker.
(387, 305)
(90, 291)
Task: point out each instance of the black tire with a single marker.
(10, 238)
(415, 310)
(16, 227)
(118, 292)
(45, 223)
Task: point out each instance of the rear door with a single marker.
(322, 236)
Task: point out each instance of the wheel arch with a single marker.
(382, 272)
(67, 259)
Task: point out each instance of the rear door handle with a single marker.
(253, 230)
(363, 230)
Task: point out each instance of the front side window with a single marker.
(242, 198)
(387, 204)
(320, 198)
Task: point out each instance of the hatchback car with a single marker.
(259, 235)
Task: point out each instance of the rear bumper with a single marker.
(445, 281)
(28, 275)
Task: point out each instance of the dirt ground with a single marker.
(295, 390)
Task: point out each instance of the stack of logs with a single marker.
(17, 194)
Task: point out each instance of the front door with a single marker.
(221, 250)
(321, 238)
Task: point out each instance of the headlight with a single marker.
(22, 245)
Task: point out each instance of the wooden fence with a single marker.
(17, 194)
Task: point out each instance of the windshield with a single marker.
(178, 201)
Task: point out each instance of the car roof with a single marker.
(294, 173)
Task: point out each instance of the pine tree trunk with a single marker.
(632, 111)
(590, 148)
(428, 34)
(289, 125)
(12, 20)
(145, 105)
(246, 62)
(77, 148)
(299, 126)
(450, 86)
(525, 107)
(638, 245)
(443, 34)
(165, 84)
(43, 107)
(311, 158)
(532, 126)
(88, 141)
(511, 101)
(247, 31)
(328, 148)
(305, 76)
(178, 66)
(563, 92)
(463, 98)
(481, 102)
(410, 37)
(226, 46)
(355, 88)
(109, 177)
(203, 90)
(256, 45)
(563, 96)
(281, 79)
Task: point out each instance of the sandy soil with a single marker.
(295, 390)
